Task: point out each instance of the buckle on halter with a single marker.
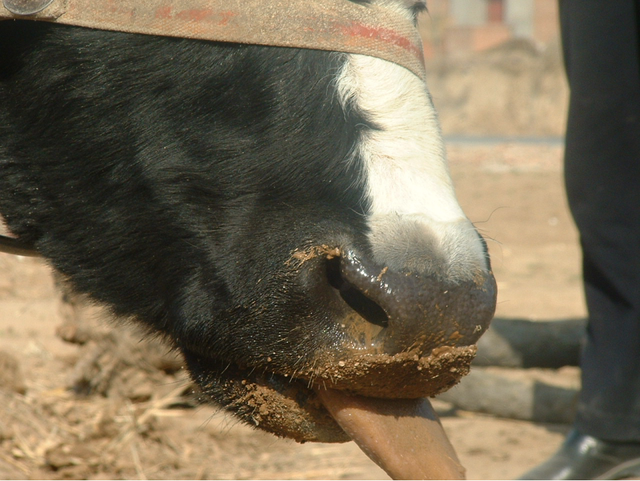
(27, 8)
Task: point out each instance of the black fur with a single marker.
(172, 179)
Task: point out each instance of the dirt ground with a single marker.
(150, 430)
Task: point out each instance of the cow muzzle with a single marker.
(378, 333)
(400, 334)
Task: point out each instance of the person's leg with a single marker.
(602, 172)
(601, 42)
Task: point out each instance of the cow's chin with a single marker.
(289, 407)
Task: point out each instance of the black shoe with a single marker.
(585, 457)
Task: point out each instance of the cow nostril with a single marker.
(354, 298)
(411, 310)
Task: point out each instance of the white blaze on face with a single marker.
(415, 219)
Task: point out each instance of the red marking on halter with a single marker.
(355, 30)
(196, 15)
(164, 12)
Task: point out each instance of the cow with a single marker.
(284, 217)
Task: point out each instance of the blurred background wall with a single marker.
(495, 67)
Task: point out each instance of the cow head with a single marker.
(284, 217)
(361, 277)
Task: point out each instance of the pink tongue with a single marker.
(403, 436)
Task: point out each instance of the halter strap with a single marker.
(335, 25)
(9, 245)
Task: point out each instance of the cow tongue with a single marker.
(402, 436)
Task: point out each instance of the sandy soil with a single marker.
(151, 430)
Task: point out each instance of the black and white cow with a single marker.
(284, 217)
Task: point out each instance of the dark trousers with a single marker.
(601, 41)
